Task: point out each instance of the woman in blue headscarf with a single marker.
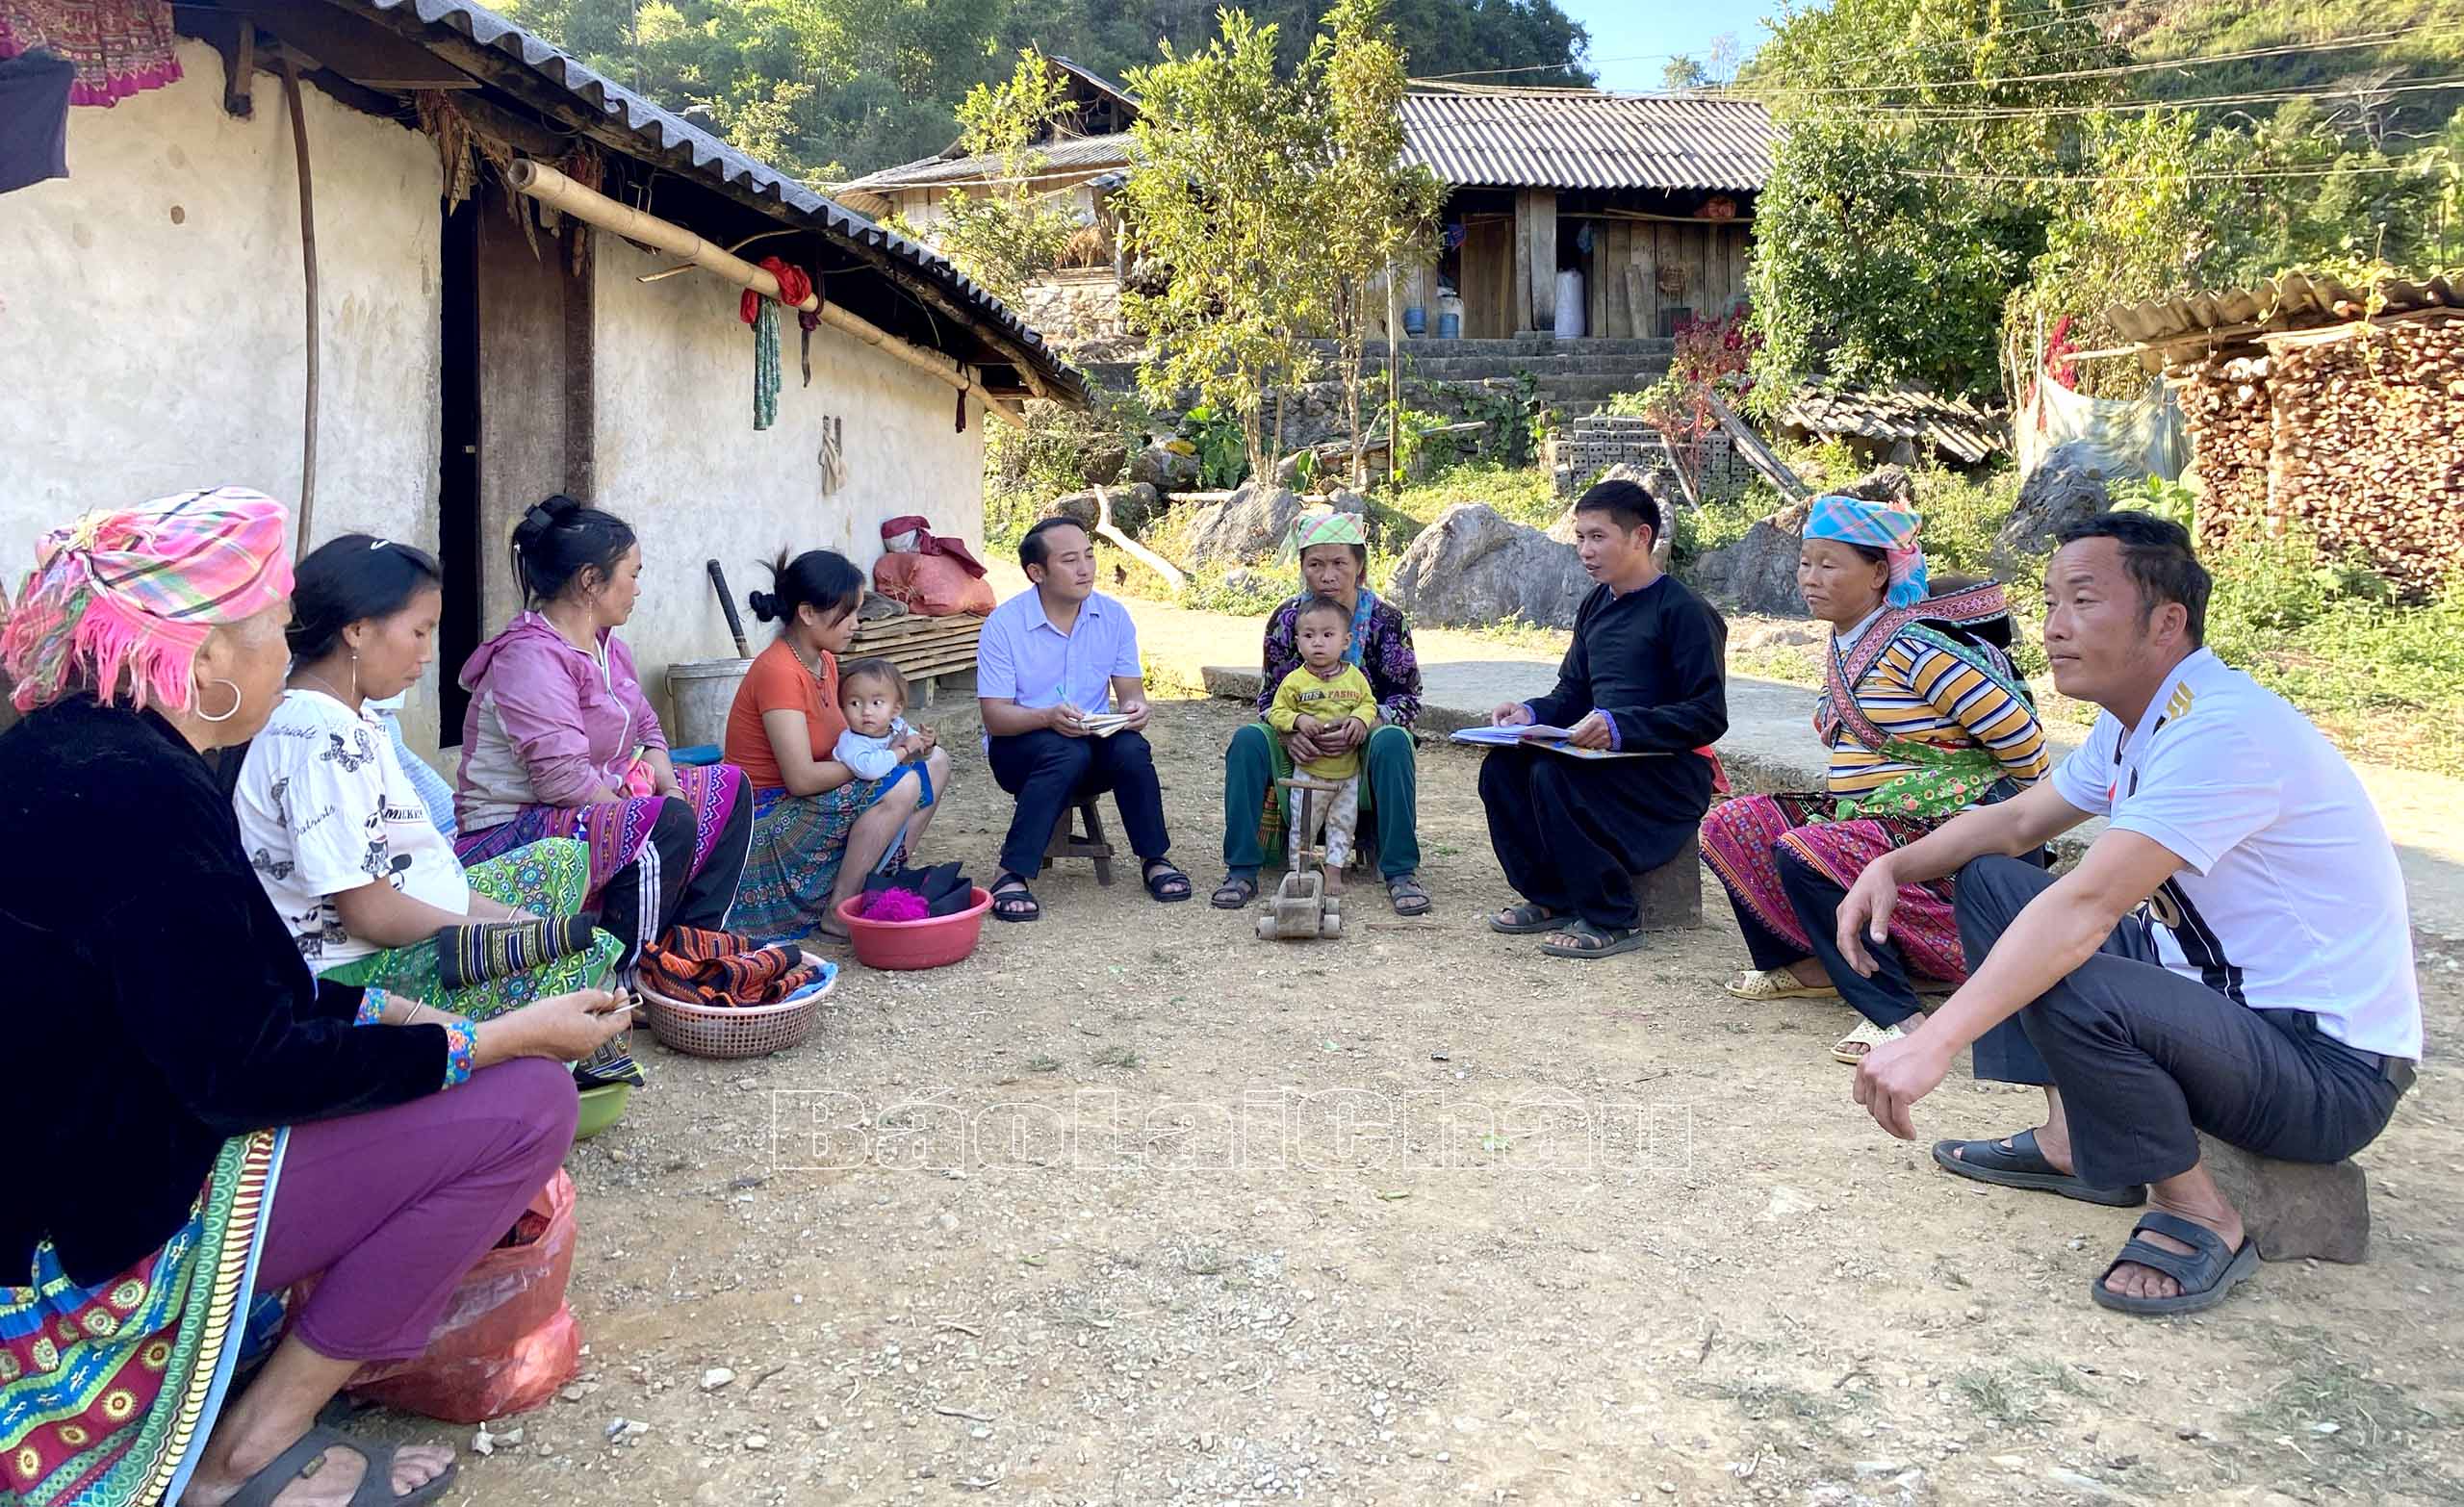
(1924, 716)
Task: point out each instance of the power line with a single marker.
(2118, 70)
(2206, 102)
(2153, 177)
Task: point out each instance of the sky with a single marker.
(1631, 38)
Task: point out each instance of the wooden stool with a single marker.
(1091, 844)
(1671, 896)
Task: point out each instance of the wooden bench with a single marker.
(924, 649)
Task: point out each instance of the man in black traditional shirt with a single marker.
(1643, 675)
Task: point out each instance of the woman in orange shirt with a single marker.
(818, 828)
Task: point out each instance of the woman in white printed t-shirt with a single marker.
(345, 844)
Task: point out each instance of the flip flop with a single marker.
(1526, 919)
(1593, 941)
(1777, 984)
(2207, 1274)
(1409, 898)
(2018, 1163)
(375, 1486)
(1851, 1048)
(1235, 892)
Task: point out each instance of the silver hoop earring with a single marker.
(198, 696)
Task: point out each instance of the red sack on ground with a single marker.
(934, 585)
(506, 1340)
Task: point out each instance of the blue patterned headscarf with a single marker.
(1877, 526)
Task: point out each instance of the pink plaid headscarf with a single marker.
(134, 591)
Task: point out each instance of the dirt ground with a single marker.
(1131, 1208)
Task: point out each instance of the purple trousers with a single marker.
(392, 1207)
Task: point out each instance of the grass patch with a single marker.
(1118, 1056)
(2001, 1396)
(1040, 1063)
(2344, 1421)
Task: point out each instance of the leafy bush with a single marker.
(1223, 454)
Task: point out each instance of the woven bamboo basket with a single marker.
(753, 1030)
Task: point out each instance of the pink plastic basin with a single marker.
(929, 943)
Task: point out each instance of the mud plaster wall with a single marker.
(677, 454)
(151, 331)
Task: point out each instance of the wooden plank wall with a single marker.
(1705, 260)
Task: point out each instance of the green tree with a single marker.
(1223, 199)
(1889, 233)
(1371, 210)
(1005, 233)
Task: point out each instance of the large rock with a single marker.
(1133, 507)
(1474, 567)
(1757, 573)
(2067, 485)
(1101, 465)
(1244, 529)
(1344, 499)
(2293, 1210)
(1165, 468)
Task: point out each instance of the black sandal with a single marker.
(1012, 900)
(1525, 919)
(1235, 892)
(2014, 1162)
(1409, 898)
(375, 1486)
(2206, 1275)
(1163, 881)
(1582, 939)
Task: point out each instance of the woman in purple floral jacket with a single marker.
(1334, 555)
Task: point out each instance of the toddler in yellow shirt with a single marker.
(1323, 694)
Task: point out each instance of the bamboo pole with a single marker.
(554, 188)
(308, 267)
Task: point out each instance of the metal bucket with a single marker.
(702, 691)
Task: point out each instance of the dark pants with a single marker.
(2146, 1056)
(1390, 787)
(662, 880)
(1047, 772)
(1569, 832)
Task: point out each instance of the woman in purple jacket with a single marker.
(560, 742)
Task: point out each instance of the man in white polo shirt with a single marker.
(2233, 954)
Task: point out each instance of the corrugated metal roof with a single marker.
(1953, 427)
(1585, 139)
(670, 141)
(1089, 154)
(2293, 301)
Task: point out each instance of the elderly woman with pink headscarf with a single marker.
(198, 1120)
(1924, 716)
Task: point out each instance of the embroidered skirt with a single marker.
(615, 831)
(1740, 837)
(546, 879)
(797, 845)
(108, 1391)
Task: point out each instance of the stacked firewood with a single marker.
(2225, 402)
(2369, 445)
(2360, 439)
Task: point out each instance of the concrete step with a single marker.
(1426, 348)
(1472, 368)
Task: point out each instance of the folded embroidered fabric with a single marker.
(945, 890)
(612, 1063)
(486, 949)
(722, 969)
